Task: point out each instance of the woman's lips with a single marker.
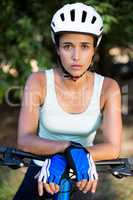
(76, 66)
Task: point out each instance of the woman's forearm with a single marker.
(34, 144)
(104, 151)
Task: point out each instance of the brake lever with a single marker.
(122, 171)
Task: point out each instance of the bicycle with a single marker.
(15, 158)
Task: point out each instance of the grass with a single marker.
(116, 189)
(9, 182)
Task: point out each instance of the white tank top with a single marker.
(56, 124)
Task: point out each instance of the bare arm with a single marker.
(28, 140)
(111, 126)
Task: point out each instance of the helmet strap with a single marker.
(67, 75)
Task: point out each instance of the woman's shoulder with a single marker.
(110, 91)
(110, 84)
(36, 83)
(36, 76)
(36, 79)
(110, 87)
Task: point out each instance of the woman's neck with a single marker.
(76, 84)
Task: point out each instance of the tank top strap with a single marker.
(98, 83)
(50, 96)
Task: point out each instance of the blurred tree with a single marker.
(25, 42)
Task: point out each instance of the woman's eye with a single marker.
(67, 47)
(84, 46)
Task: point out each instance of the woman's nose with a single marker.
(75, 54)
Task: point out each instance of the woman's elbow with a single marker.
(116, 152)
(21, 143)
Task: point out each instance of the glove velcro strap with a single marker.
(75, 145)
(68, 153)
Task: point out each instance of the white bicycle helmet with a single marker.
(77, 17)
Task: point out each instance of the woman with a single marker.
(68, 104)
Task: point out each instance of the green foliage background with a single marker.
(25, 34)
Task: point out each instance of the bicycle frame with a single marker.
(14, 158)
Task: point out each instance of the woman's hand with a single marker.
(51, 174)
(87, 186)
(50, 188)
(83, 166)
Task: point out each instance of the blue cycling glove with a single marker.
(80, 160)
(53, 169)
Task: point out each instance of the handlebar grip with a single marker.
(130, 161)
(3, 149)
(20, 153)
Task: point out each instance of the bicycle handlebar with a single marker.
(16, 158)
(20, 153)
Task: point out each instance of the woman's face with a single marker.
(76, 52)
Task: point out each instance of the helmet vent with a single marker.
(93, 20)
(84, 14)
(62, 17)
(72, 14)
(53, 24)
(101, 28)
